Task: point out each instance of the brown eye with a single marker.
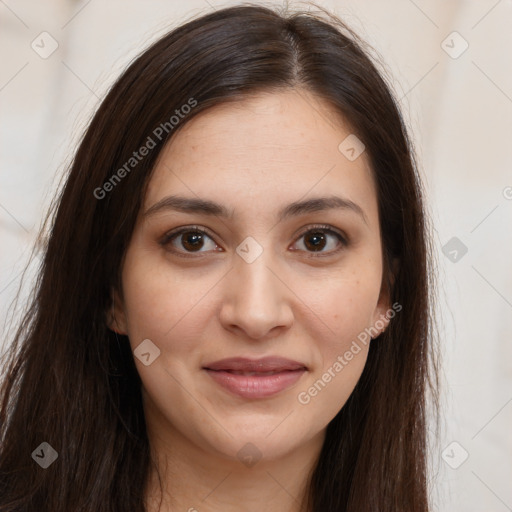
(318, 241)
(192, 240)
(315, 240)
(318, 238)
(189, 240)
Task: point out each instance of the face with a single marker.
(251, 282)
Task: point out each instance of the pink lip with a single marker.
(285, 373)
(256, 386)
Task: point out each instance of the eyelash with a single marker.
(168, 237)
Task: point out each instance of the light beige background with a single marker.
(459, 110)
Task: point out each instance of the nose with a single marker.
(256, 300)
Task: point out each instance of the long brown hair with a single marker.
(71, 382)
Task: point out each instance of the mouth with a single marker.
(252, 379)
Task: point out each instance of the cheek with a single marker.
(169, 308)
(341, 351)
(344, 350)
(343, 304)
(345, 308)
(328, 390)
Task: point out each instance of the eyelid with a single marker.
(342, 238)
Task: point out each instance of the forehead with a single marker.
(270, 149)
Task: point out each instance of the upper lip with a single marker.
(265, 364)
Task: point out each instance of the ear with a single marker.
(381, 317)
(116, 317)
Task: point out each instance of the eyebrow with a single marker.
(207, 207)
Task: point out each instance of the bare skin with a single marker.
(202, 303)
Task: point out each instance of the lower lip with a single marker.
(254, 386)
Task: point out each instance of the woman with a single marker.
(234, 306)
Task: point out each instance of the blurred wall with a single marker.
(450, 63)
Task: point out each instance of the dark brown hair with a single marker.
(71, 382)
